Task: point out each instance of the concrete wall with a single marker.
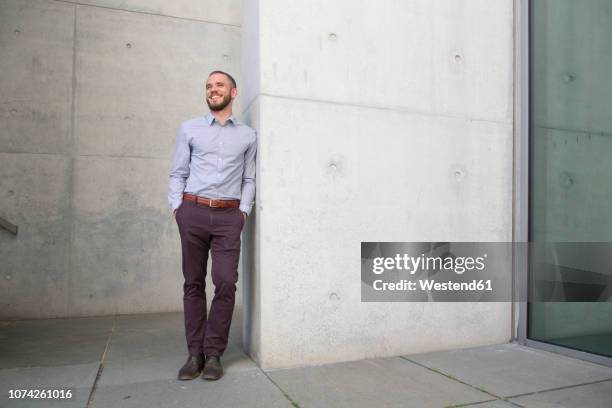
(378, 121)
(92, 95)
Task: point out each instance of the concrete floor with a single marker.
(132, 361)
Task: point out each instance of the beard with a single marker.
(220, 105)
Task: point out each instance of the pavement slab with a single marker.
(236, 389)
(164, 368)
(509, 369)
(384, 382)
(52, 342)
(598, 395)
(78, 378)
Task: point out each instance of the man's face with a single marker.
(219, 92)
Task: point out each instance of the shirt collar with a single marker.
(210, 118)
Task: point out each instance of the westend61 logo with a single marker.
(435, 271)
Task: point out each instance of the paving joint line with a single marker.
(565, 387)
(497, 397)
(101, 366)
(473, 404)
(293, 403)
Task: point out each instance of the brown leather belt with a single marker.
(211, 203)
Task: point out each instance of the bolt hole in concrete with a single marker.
(226, 57)
(13, 111)
(17, 32)
(128, 45)
(332, 36)
(459, 174)
(458, 58)
(567, 78)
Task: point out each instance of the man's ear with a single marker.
(234, 93)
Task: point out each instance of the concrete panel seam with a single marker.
(117, 156)
(148, 13)
(389, 109)
(35, 154)
(71, 178)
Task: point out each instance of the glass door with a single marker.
(570, 178)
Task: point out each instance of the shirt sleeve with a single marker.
(179, 172)
(248, 177)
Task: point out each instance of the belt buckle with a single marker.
(212, 205)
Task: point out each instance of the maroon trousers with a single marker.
(217, 230)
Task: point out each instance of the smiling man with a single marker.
(211, 192)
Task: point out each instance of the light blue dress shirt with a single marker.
(214, 161)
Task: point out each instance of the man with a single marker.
(211, 191)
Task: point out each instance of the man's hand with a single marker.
(244, 216)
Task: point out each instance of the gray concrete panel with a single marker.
(223, 12)
(334, 175)
(127, 248)
(592, 396)
(508, 369)
(126, 243)
(249, 53)
(449, 57)
(235, 390)
(147, 336)
(36, 44)
(391, 382)
(33, 271)
(251, 293)
(157, 334)
(53, 342)
(139, 76)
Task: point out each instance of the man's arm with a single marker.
(248, 178)
(179, 170)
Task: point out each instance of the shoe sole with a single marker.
(189, 378)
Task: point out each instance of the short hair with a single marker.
(231, 78)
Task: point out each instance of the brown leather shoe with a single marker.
(192, 368)
(212, 368)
